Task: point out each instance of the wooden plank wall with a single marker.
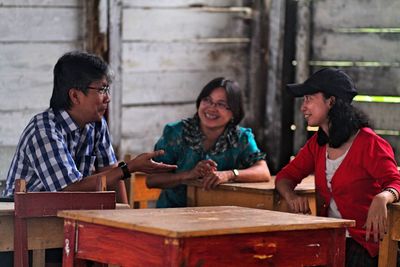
(363, 38)
(33, 35)
(170, 50)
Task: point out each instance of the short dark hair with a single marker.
(233, 93)
(344, 121)
(76, 69)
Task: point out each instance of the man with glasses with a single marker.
(68, 145)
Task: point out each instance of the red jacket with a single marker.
(367, 169)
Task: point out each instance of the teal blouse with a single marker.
(236, 148)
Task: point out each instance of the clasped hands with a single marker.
(207, 171)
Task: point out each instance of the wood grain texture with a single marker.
(182, 24)
(204, 221)
(355, 47)
(40, 24)
(180, 3)
(277, 248)
(356, 13)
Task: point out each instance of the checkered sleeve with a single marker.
(105, 155)
(50, 159)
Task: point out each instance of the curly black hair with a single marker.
(344, 121)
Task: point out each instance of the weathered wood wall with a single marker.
(33, 35)
(362, 38)
(170, 50)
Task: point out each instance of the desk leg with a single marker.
(388, 247)
(69, 245)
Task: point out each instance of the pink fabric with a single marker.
(367, 169)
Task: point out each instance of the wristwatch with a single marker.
(235, 173)
(125, 170)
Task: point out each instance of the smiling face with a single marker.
(315, 108)
(213, 111)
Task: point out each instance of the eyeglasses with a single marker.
(105, 90)
(207, 101)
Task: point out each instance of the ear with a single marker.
(74, 95)
(332, 101)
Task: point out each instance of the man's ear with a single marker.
(74, 95)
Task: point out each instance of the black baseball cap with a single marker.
(328, 80)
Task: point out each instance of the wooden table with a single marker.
(253, 195)
(203, 236)
(43, 233)
(388, 247)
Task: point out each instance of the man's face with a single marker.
(93, 106)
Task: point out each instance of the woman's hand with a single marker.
(376, 223)
(145, 163)
(202, 169)
(298, 204)
(215, 178)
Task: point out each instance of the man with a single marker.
(68, 145)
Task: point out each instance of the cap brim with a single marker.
(301, 89)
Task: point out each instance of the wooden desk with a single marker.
(43, 233)
(253, 195)
(203, 236)
(388, 247)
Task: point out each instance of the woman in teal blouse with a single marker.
(210, 146)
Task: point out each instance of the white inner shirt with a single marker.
(331, 166)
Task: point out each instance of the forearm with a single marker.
(285, 188)
(259, 172)
(168, 180)
(89, 183)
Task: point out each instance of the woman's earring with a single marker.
(232, 120)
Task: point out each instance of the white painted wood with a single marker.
(356, 47)
(40, 24)
(170, 87)
(180, 3)
(44, 3)
(181, 24)
(145, 57)
(6, 154)
(115, 60)
(376, 81)
(356, 13)
(12, 125)
(142, 126)
(26, 73)
(385, 116)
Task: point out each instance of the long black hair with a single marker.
(344, 121)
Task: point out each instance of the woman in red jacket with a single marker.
(355, 171)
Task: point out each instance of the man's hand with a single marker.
(145, 163)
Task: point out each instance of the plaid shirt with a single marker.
(54, 152)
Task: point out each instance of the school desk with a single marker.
(389, 246)
(202, 236)
(43, 233)
(253, 195)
